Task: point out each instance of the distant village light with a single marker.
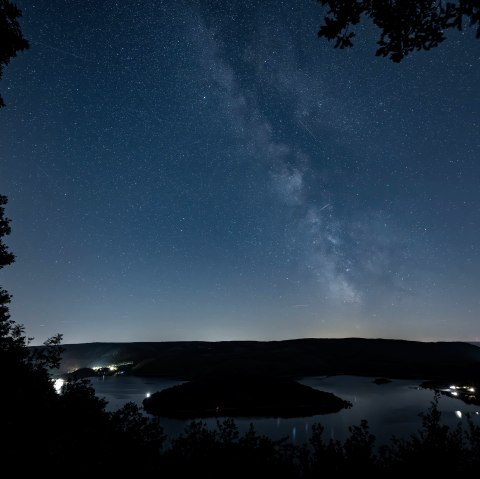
(58, 384)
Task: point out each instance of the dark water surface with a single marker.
(391, 409)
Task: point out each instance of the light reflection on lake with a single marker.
(391, 409)
(118, 390)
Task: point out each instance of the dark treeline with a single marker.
(73, 431)
(452, 362)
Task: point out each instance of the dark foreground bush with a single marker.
(72, 432)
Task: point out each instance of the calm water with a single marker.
(391, 409)
(118, 390)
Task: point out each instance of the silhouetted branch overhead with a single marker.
(405, 25)
(11, 37)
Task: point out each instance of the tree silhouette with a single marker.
(405, 25)
(73, 431)
(436, 448)
(6, 258)
(47, 427)
(11, 37)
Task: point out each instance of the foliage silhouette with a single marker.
(11, 37)
(405, 25)
(74, 432)
(47, 427)
(435, 448)
(74, 428)
(223, 452)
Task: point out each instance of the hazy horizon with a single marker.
(474, 343)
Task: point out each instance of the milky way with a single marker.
(212, 170)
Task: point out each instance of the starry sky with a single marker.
(211, 170)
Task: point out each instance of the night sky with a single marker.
(211, 170)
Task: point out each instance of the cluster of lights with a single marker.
(111, 367)
(468, 388)
(456, 390)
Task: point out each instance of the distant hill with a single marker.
(288, 359)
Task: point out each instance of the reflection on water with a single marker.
(391, 409)
(118, 390)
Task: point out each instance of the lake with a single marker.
(391, 409)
